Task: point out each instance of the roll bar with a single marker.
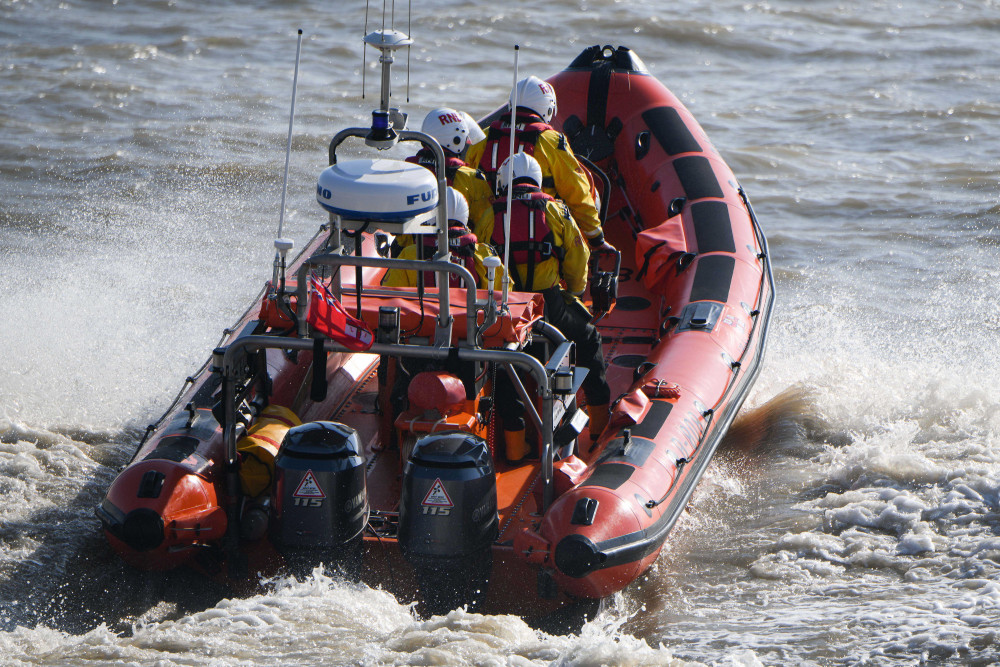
(233, 355)
(438, 264)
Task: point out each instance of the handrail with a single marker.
(441, 266)
(229, 362)
(231, 357)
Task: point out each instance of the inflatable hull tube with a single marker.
(699, 250)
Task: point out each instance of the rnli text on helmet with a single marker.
(446, 118)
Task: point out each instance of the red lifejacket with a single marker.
(531, 238)
(462, 243)
(425, 158)
(497, 149)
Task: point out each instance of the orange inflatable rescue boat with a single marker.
(354, 425)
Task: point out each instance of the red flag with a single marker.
(327, 316)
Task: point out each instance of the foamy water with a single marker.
(854, 517)
(325, 621)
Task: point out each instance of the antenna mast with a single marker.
(281, 244)
(510, 185)
(385, 118)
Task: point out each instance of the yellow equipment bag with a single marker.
(259, 448)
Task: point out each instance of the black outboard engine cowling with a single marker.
(448, 518)
(320, 497)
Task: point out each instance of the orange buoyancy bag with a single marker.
(497, 147)
(462, 244)
(657, 251)
(531, 237)
(260, 445)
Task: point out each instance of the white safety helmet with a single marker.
(537, 95)
(458, 208)
(448, 127)
(476, 133)
(525, 166)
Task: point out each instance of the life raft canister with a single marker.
(260, 445)
(497, 147)
(436, 390)
(531, 238)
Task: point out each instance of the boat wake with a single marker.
(55, 569)
(841, 497)
(785, 421)
(328, 620)
(793, 508)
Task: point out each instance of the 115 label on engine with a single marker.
(436, 511)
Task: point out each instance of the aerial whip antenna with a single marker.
(364, 54)
(409, 31)
(281, 244)
(510, 185)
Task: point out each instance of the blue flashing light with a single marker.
(380, 120)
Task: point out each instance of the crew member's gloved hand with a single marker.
(604, 246)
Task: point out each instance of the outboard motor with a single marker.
(320, 498)
(448, 518)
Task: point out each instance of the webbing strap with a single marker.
(515, 277)
(496, 134)
(645, 260)
(531, 255)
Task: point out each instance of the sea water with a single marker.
(853, 516)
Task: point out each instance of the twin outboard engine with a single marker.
(320, 497)
(448, 518)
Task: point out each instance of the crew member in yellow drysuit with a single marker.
(562, 175)
(465, 249)
(546, 247)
